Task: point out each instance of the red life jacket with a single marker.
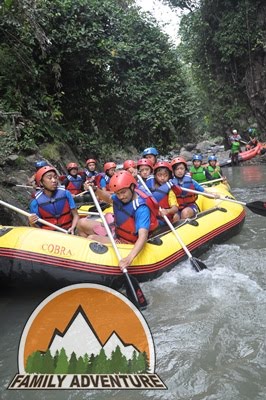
(161, 195)
(125, 227)
(99, 177)
(55, 209)
(184, 198)
(74, 184)
(89, 174)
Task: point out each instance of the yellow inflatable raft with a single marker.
(54, 259)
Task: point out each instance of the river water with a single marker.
(209, 328)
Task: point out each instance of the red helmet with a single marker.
(178, 160)
(129, 163)
(71, 166)
(109, 165)
(90, 160)
(163, 164)
(120, 180)
(41, 172)
(145, 161)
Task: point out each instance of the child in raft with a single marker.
(187, 207)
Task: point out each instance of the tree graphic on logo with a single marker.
(45, 363)
(60, 362)
(65, 355)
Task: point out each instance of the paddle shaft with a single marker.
(182, 244)
(211, 196)
(42, 221)
(108, 230)
(212, 181)
(197, 264)
(258, 207)
(88, 213)
(28, 186)
(81, 194)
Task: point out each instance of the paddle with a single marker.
(42, 221)
(28, 186)
(258, 207)
(12, 184)
(133, 289)
(85, 213)
(81, 194)
(197, 264)
(212, 181)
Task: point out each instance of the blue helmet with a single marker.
(197, 157)
(212, 158)
(250, 130)
(150, 150)
(40, 164)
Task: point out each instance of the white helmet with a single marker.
(234, 131)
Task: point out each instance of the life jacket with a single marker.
(89, 174)
(235, 147)
(74, 184)
(184, 198)
(161, 195)
(198, 174)
(235, 138)
(215, 175)
(99, 177)
(54, 209)
(125, 227)
(150, 182)
(107, 179)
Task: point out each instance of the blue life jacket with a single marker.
(74, 184)
(125, 215)
(55, 209)
(184, 198)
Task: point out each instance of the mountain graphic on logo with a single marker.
(79, 337)
(126, 349)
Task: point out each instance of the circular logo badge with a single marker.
(86, 336)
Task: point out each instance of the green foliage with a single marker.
(7, 144)
(51, 151)
(183, 4)
(94, 68)
(220, 40)
(20, 162)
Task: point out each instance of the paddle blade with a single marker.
(258, 207)
(134, 292)
(197, 264)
